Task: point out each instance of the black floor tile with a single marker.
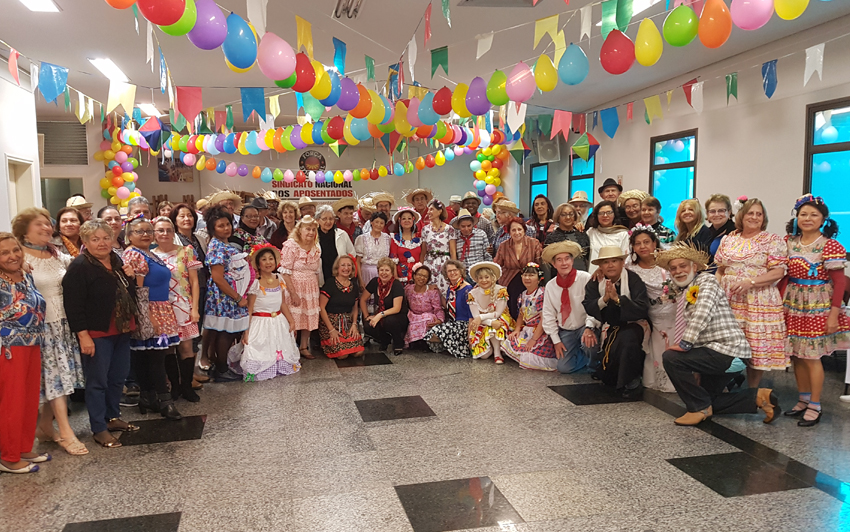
(737, 474)
(161, 430)
(591, 394)
(369, 359)
(456, 505)
(391, 408)
(142, 523)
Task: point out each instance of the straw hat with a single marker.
(682, 250)
(78, 202)
(343, 203)
(462, 214)
(255, 252)
(269, 195)
(402, 210)
(639, 195)
(507, 205)
(418, 192)
(383, 196)
(609, 252)
(367, 203)
(224, 195)
(471, 195)
(201, 204)
(565, 246)
(579, 196)
(454, 199)
(485, 264)
(305, 200)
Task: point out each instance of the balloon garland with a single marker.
(119, 182)
(487, 171)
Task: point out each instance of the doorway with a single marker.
(21, 191)
(56, 191)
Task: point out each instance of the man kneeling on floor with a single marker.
(709, 342)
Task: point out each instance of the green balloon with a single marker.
(104, 193)
(481, 157)
(441, 130)
(284, 140)
(277, 175)
(325, 137)
(491, 158)
(183, 144)
(288, 82)
(356, 174)
(497, 92)
(386, 128)
(186, 22)
(408, 168)
(681, 26)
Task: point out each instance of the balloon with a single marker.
(288, 176)
(306, 74)
(398, 169)
(210, 29)
(114, 200)
(448, 155)
(335, 127)
(242, 170)
(275, 57)
(322, 88)
(231, 169)
(126, 166)
(221, 167)
(266, 175)
(681, 26)
(210, 165)
(118, 181)
(715, 24)
(479, 185)
(162, 12)
(300, 177)
(420, 163)
(618, 53)
(474, 166)
(374, 173)
(116, 146)
(105, 183)
(348, 176)
(376, 114)
(364, 105)
(382, 171)
(497, 163)
(790, 9)
(426, 112)
(338, 178)
(120, 156)
(117, 170)
(306, 134)
(476, 97)
(440, 159)
(751, 14)
(497, 88)
(520, 83)
(545, 74)
(295, 138)
(320, 177)
(349, 95)
(360, 129)
(408, 167)
(121, 4)
(311, 175)
(487, 200)
(111, 190)
(443, 101)
(490, 189)
(277, 174)
(459, 100)
(413, 114)
(288, 82)
(122, 192)
(486, 165)
(240, 46)
(189, 159)
(389, 111)
(133, 161)
(257, 172)
(458, 151)
(402, 126)
(648, 43)
(331, 99)
(430, 162)
(186, 22)
(127, 149)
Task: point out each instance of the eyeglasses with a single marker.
(605, 213)
(717, 211)
(143, 232)
(164, 231)
(567, 215)
(251, 217)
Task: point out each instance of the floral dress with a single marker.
(438, 252)
(424, 308)
(662, 315)
(492, 307)
(541, 354)
(453, 334)
(157, 276)
(221, 312)
(180, 262)
(405, 253)
(303, 267)
(369, 249)
(759, 310)
(808, 298)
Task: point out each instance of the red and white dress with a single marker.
(180, 261)
(303, 268)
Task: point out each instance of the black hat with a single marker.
(259, 203)
(610, 183)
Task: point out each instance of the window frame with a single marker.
(810, 149)
(672, 166)
(532, 183)
(591, 175)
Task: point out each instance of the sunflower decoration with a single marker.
(692, 294)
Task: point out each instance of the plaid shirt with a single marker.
(477, 252)
(485, 225)
(711, 322)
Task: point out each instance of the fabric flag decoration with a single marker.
(586, 13)
(305, 36)
(544, 26)
(544, 122)
(579, 123)
(531, 126)
(252, 100)
(136, 17)
(220, 119)
(299, 101)
(484, 43)
(416, 91)
(13, 65)
(625, 10)
(609, 17)
(731, 86)
(653, 108)
(120, 93)
(560, 46)
(411, 56)
(149, 45)
(561, 124)
(516, 115)
(630, 111)
(370, 69)
(696, 97)
(339, 56)
(257, 13)
(440, 58)
(170, 88)
(814, 63)
(393, 83)
(81, 110)
(274, 105)
(610, 121)
(137, 115)
(686, 88)
(179, 122)
(447, 12)
(33, 76)
(189, 102)
(52, 80)
(67, 99)
(586, 146)
(669, 98)
(768, 77)
(228, 120)
(595, 119)
(163, 72)
(427, 24)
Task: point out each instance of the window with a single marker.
(673, 171)
(539, 182)
(582, 174)
(828, 160)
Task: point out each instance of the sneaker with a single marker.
(132, 390)
(129, 400)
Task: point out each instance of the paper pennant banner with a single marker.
(586, 20)
(544, 26)
(561, 124)
(189, 102)
(427, 25)
(252, 100)
(228, 120)
(625, 10)
(516, 115)
(610, 121)
(814, 63)
(257, 15)
(339, 56)
(220, 119)
(531, 127)
(52, 80)
(609, 17)
(305, 36)
(123, 94)
(67, 94)
(560, 46)
(170, 87)
(312, 107)
(411, 56)
(768, 78)
(13, 65)
(440, 58)
(274, 105)
(586, 146)
(447, 12)
(136, 17)
(299, 101)
(370, 69)
(484, 43)
(653, 108)
(81, 109)
(544, 122)
(149, 45)
(579, 123)
(669, 98)
(595, 119)
(630, 111)
(33, 76)
(731, 86)
(162, 72)
(416, 91)
(696, 97)
(686, 88)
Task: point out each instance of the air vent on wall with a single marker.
(496, 3)
(64, 143)
(548, 151)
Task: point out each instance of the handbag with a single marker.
(144, 327)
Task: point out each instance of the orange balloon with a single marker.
(503, 155)
(376, 133)
(278, 147)
(420, 163)
(486, 165)
(257, 172)
(210, 164)
(424, 131)
(715, 24)
(449, 136)
(365, 104)
(127, 149)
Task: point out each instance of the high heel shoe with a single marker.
(810, 422)
(167, 409)
(148, 401)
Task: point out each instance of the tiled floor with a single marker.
(425, 442)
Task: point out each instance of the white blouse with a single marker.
(48, 274)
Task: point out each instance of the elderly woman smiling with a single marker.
(67, 233)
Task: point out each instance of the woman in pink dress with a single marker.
(528, 344)
(300, 260)
(425, 308)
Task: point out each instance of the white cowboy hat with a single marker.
(609, 252)
(473, 270)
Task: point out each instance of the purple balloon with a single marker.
(243, 170)
(127, 166)
(463, 138)
(349, 96)
(481, 193)
(219, 142)
(467, 150)
(320, 176)
(211, 27)
(295, 138)
(487, 199)
(476, 97)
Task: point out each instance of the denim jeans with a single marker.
(577, 356)
(105, 374)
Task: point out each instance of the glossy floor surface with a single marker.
(427, 443)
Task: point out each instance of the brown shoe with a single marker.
(768, 402)
(694, 418)
(197, 385)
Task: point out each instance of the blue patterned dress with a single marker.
(221, 312)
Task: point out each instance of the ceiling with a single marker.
(91, 28)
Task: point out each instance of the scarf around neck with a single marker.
(611, 230)
(565, 282)
(383, 292)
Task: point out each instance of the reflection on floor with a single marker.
(425, 442)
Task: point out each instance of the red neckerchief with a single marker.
(565, 283)
(383, 292)
(467, 242)
(350, 229)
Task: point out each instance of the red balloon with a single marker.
(497, 163)
(335, 127)
(117, 171)
(373, 173)
(191, 147)
(300, 177)
(443, 101)
(618, 53)
(425, 132)
(304, 73)
(120, 4)
(162, 12)
(497, 137)
(364, 105)
(429, 161)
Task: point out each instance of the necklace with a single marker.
(8, 278)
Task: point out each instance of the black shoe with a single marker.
(132, 390)
(397, 352)
(633, 393)
(794, 413)
(128, 400)
(810, 423)
(383, 347)
(148, 402)
(228, 376)
(167, 408)
(190, 395)
(187, 373)
(736, 382)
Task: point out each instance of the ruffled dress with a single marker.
(496, 322)
(180, 262)
(405, 253)
(271, 349)
(453, 334)
(438, 254)
(166, 333)
(221, 312)
(303, 267)
(662, 315)
(423, 309)
(541, 354)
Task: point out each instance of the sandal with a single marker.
(73, 446)
(43, 437)
(113, 444)
(128, 427)
(305, 352)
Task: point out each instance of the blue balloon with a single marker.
(251, 144)
(475, 165)
(317, 133)
(450, 154)
(360, 129)
(426, 113)
(113, 164)
(336, 91)
(574, 65)
(106, 134)
(398, 169)
(131, 185)
(221, 167)
(266, 175)
(388, 111)
(479, 185)
(240, 45)
(229, 145)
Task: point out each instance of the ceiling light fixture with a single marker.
(109, 69)
(149, 109)
(41, 6)
(638, 7)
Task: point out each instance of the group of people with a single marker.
(144, 307)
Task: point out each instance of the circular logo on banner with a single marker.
(311, 160)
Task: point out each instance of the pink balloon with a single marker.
(122, 193)
(105, 145)
(288, 176)
(261, 140)
(275, 57)
(476, 97)
(347, 175)
(458, 151)
(521, 84)
(120, 157)
(231, 169)
(751, 14)
(490, 189)
(413, 113)
(188, 159)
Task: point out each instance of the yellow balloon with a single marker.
(338, 177)
(115, 135)
(790, 9)
(307, 133)
(346, 132)
(116, 146)
(376, 115)
(175, 142)
(497, 182)
(494, 150)
(108, 155)
(545, 74)
(111, 190)
(241, 147)
(238, 70)
(269, 138)
(401, 123)
(125, 203)
(459, 100)
(129, 178)
(382, 171)
(440, 159)
(648, 43)
(488, 180)
(105, 183)
(98, 155)
(200, 163)
(487, 151)
(199, 143)
(322, 88)
(114, 200)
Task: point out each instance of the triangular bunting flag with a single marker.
(189, 102)
(440, 58)
(686, 88)
(304, 31)
(484, 43)
(13, 65)
(731, 86)
(339, 56)
(768, 77)
(653, 108)
(252, 100)
(586, 20)
(630, 111)
(544, 122)
(814, 63)
(561, 124)
(447, 12)
(696, 97)
(52, 80)
(544, 26)
(370, 69)
(123, 94)
(610, 121)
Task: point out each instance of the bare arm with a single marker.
(453, 249)
(195, 290)
(217, 274)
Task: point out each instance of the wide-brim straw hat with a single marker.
(269, 195)
(579, 196)
(507, 205)
(366, 202)
(78, 202)
(462, 214)
(305, 200)
(383, 196)
(485, 264)
(454, 199)
(471, 195)
(419, 192)
(682, 250)
(343, 203)
(224, 195)
(201, 203)
(609, 252)
(255, 251)
(639, 195)
(402, 210)
(565, 246)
